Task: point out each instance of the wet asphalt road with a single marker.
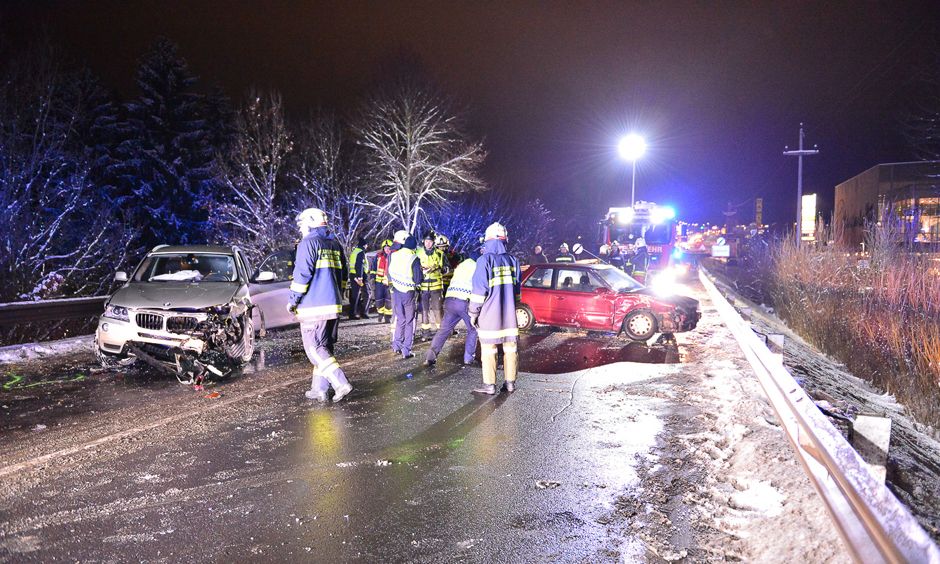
(130, 466)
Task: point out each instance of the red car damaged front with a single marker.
(600, 297)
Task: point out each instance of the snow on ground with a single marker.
(38, 351)
(745, 494)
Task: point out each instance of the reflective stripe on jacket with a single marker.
(432, 263)
(381, 269)
(495, 291)
(319, 277)
(404, 270)
(461, 285)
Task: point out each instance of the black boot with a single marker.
(488, 389)
(510, 386)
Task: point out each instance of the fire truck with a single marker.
(656, 224)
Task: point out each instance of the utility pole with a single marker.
(799, 154)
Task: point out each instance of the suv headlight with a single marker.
(116, 312)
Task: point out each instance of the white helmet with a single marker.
(640, 242)
(311, 217)
(400, 236)
(496, 231)
(442, 241)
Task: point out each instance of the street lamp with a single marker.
(631, 148)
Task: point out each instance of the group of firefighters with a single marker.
(481, 290)
(635, 263)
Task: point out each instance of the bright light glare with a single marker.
(625, 216)
(662, 214)
(631, 147)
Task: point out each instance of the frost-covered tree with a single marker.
(416, 154)
(250, 212)
(168, 154)
(59, 234)
(325, 171)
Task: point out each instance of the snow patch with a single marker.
(33, 351)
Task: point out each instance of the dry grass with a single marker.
(879, 314)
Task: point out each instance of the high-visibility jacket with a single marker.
(432, 263)
(404, 270)
(564, 257)
(319, 279)
(381, 268)
(461, 285)
(358, 266)
(496, 288)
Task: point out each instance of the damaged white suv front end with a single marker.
(185, 309)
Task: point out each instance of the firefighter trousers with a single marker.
(455, 311)
(383, 299)
(510, 362)
(404, 308)
(430, 309)
(319, 337)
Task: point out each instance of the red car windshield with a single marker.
(616, 278)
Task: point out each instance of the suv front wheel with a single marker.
(242, 350)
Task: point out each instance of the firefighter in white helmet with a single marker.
(316, 299)
(492, 308)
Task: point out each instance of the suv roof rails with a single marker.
(158, 247)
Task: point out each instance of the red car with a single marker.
(600, 297)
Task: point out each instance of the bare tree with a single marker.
(416, 153)
(250, 213)
(60, 236)
(325, 172)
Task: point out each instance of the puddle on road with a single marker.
(580, 352)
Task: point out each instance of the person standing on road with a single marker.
(432, 264)
(640, 260)
(615, 256)
(316, 299)
(492, 308)
(406, 275)
(456, 306)
(383, 296)
(537, 256)
(358, 274)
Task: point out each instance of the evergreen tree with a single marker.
(170, 150)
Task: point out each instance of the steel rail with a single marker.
(17, 313)
(874, 525)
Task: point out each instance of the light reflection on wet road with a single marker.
(412, 467)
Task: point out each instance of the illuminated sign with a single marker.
(808, 218)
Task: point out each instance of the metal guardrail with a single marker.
(875, 526)
(17, 313)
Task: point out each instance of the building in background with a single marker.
(907, 192)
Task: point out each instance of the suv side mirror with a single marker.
(120, 276)
(265, 276)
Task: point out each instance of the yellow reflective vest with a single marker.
(401, 270)
(432, 263)
(461, 285)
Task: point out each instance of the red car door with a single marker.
(580, 302)
(537, 294)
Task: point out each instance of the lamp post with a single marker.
(631, 148)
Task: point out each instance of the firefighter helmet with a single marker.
(386, 243)
(496, 231)
(311, 217)
(442, 242)
(400, 236)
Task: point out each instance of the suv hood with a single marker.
(179, 295)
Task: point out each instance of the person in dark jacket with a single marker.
(615, 255)
(405, 275)
(492, 308)
(537, 256)
(358, 276)
(316, 299)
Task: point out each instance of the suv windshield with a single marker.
(616, 278)
(190, 267)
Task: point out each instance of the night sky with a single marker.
(718, 88)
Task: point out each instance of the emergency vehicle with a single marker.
(654, 223)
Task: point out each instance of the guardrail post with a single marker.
(871, 437)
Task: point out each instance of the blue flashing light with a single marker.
(677, 253)
(669, 213)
